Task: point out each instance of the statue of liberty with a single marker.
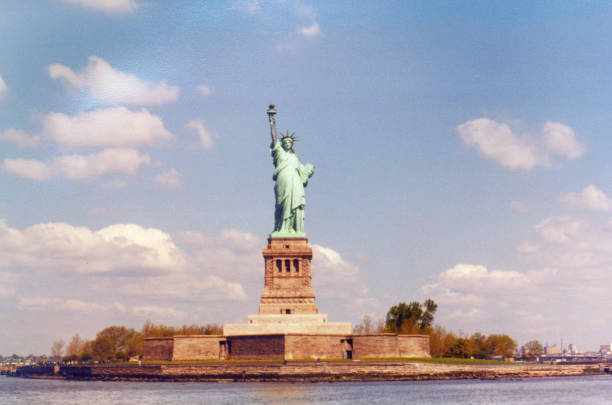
(291, 177)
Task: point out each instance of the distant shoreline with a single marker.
(302, 371)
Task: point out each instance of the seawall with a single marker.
(305, 372)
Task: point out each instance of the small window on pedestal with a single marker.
(287, 311)
(279, 265)
(288, 266)
(296, 265)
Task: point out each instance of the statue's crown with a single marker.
(290, 135)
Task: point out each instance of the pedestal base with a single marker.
(310, 324)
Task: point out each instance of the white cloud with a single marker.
(184, 287)
(232, 253)
(474, 313)
(3, 88)
(567, 242)
(563, 286)
(236, 256)
(472, 278)
(310, 31)
(27, 169)
(206, 91)
(110, 127)
(560, 139)
(110, 86)
(19, 138)
(217, 265)
(467, 294)
(469, 286)
(497, 142)
(206, 137)
(37, 303)
(62, 248)
(590, 198)
(332, 276)
(82, 167)
(86, 307)
(169, 178)
(79, 167)
(55, 304)
(158, 312)
(574, 285)
(559, 230)
(108, 6)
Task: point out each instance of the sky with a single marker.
(462, 153)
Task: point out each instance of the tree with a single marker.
(57, 348)
(75, 347)
(460, 349)
(436, 341)
(501, 345)
(533, 349)
(411, 318)
(116, 343)
(478, 346)
(149, 329)
(365, 327)
(428, 316)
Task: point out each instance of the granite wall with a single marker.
(158, 349)
(314, 347)
(413, 346)
(262, 347)
(285, 347)
(199, 347)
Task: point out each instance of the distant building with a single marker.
(605, 349)
(551, 350)
(572, 349)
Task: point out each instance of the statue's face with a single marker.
(287, 144)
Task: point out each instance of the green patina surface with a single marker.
(290, 177)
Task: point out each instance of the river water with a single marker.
(555, 390)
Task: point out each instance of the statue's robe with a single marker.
(291, 177)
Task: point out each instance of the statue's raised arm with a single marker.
(271, 112)
(290, 178)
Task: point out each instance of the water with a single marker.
(590, 390)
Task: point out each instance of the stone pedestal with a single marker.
(287, 287)
(287, 302)
(309, 324)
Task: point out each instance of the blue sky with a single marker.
(461, 153)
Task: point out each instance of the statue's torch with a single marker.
(271, 111)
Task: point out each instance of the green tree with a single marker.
(501, 345)
(428, 315)
(462, 348)
(410, 318)
(117, 343)
(478, 345)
